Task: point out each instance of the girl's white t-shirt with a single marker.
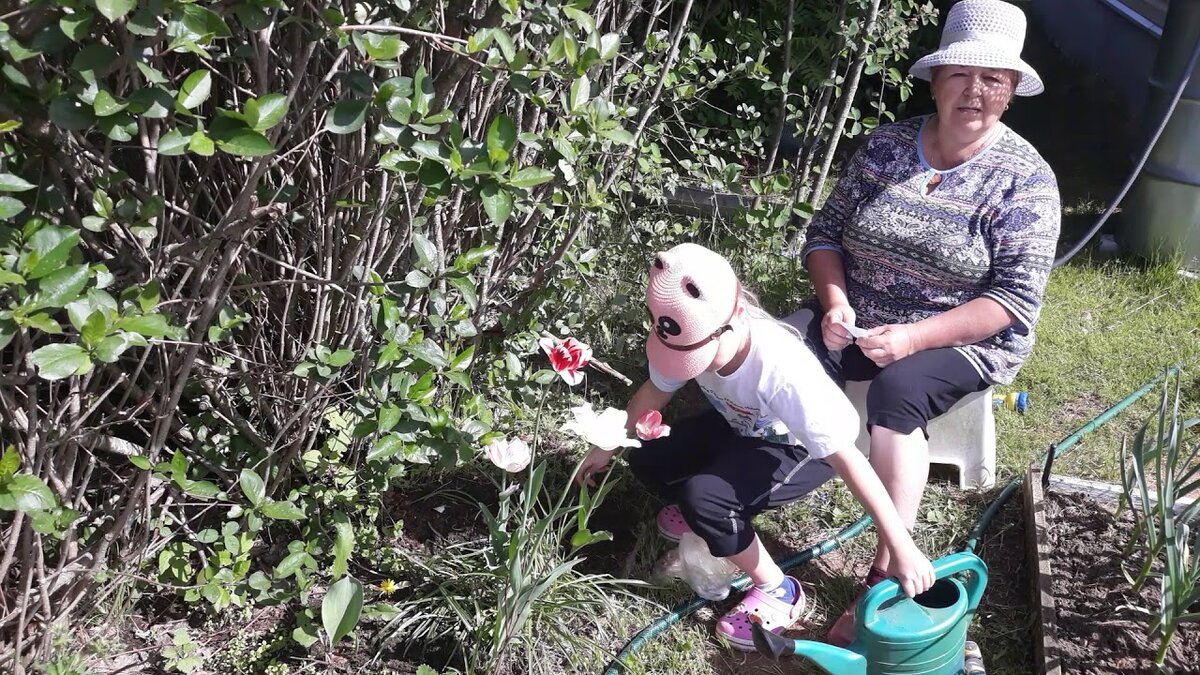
(780, 393)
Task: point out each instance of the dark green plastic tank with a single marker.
(1162, 213)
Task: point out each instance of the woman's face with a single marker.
(970, 100)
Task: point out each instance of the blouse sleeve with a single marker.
(1023, 240)
(825, 228)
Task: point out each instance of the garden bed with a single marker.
(1088, 621)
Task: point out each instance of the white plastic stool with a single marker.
(965, 436)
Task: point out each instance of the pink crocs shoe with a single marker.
(771, 613)
(671, 524)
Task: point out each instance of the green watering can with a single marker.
(895, 634)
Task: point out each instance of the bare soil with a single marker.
(1099, 631)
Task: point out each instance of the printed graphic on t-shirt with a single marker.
(744, 420)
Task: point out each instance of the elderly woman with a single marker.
(938, 241)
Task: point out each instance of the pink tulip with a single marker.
(649, 426)
(567, 357)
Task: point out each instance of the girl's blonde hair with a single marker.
(754, 309)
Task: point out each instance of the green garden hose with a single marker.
(687, 607)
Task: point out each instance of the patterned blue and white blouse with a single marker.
(988, 229)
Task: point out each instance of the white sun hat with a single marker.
(983, 34)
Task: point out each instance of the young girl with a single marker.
(780, 429)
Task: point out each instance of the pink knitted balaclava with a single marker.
(692, 296)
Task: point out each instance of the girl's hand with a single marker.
(836, 337)
(597, 460)
(911, 569)
(888, 344)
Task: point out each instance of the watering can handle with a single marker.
(942, 568)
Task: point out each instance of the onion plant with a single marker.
(1159, 472)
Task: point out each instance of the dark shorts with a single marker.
(721, 480)
(903, 396)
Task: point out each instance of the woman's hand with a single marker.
(597, 460)
(836, 337)
(888, 344)
(911, 568)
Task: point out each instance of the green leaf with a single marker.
(505, 43)
(68, 112)
(264, 113)
(259, 581)
(201, 144)
(205, 22)
(243, 142)
(282, 511)
(60, 360)
(428, 150)
(114, 9)
(140, 462)
(531, 176)
(195, 90)
(148, 325)
(9, 463)
(343, 544)
(42, 321)
(340, 358)
(430, 352)
(581, 18)
(501, 137)
(7, 278)
(173, 143)
(347, 116)
(94, 329)
(27, 493)
(389, 416)
(118, 127)
(382, 47)
(497, 202)
(151, 102)
(418, 279)
(92, 58)
(426, 670)
(610, 44)
(251, 16)
(201, 488)
(467, 261)
(76, 26)
(427, 252)
(581, 90)
(111, 347)
(385, 447)
(618, 134)
(106, 105)
(102, 204)
(8, 329)
(305, 633)
(291, 564)
(60, 287)
(400, 108)
(341, 608)
(51, 248)
(252, 486)
(152, 74)
(11, 183)
(10, 207)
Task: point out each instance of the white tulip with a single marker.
(512, 456)
(605, 431)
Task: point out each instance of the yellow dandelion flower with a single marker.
(387, 586)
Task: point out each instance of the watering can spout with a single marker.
(833, 660)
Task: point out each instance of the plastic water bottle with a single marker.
(709, 576)
(1013, 400)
